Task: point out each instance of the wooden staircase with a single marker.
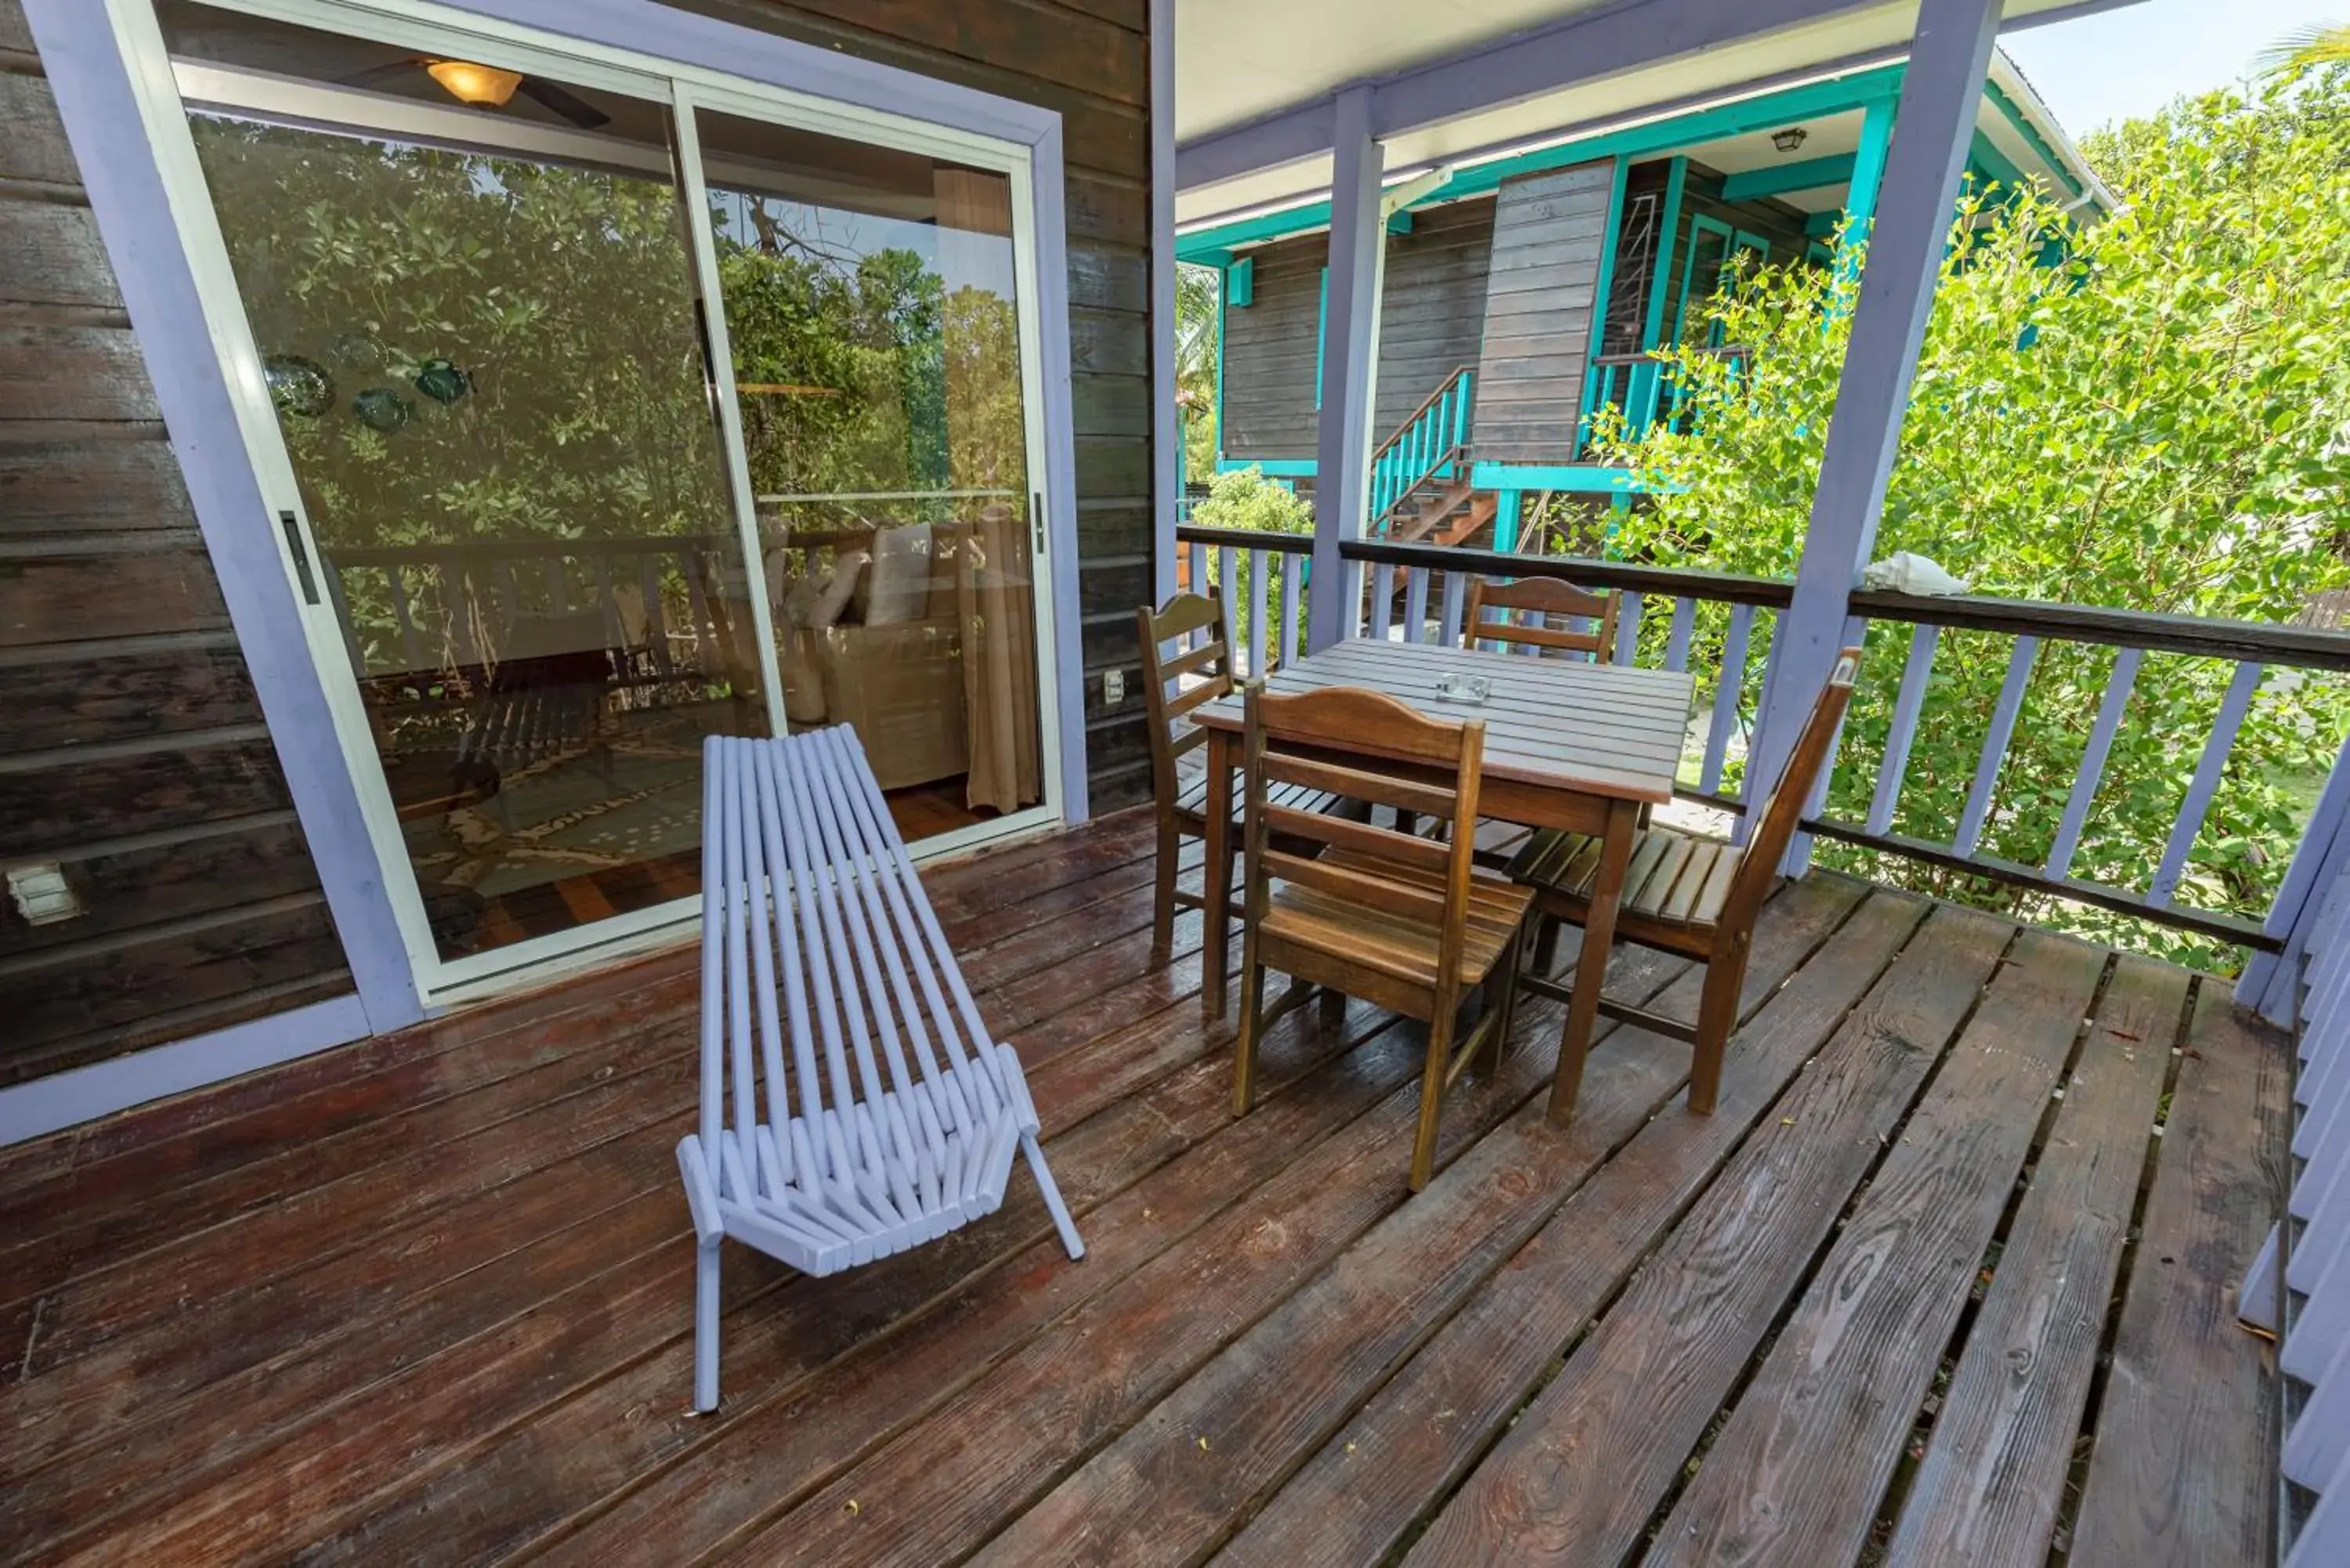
(1450, 512)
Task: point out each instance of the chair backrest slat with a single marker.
(1182, 615)
(1545, 596)
(1367, 745)
(1369, 891)
(827, 982)
(1783, 809)
(1345, 833)
(842, 756)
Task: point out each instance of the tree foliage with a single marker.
(2149, 412)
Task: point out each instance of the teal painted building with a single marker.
(1523, 290)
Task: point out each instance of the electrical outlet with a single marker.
(1112, 687)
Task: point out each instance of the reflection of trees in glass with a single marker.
(888, 381)
(564, 294)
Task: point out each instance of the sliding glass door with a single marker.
(873, 325)
(601, 415)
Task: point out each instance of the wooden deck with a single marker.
(1946, 1280)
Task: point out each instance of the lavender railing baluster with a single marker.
(1677, 638)
(1628, 629)
(1454, 589)
(2206, 783)
(1292, 590)
(1994, 746)
(1915, 676)
(1382, 600)
(1415, 605)
(1727, 689)
(2093, 759)
(1257, 597)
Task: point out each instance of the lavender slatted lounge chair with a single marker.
(890, 1116)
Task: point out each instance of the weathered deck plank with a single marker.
(1563, 1487)
(1848, 1371)
(1993, 1479)
(1060, 1397)
(2185, 1409)
(1269, 1398)
(468, 1339)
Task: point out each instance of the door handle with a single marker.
(1037, 522)
(301, 554)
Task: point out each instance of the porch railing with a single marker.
(1414, 592)
(1262, 578)
(1429, 447)
(1641, 385)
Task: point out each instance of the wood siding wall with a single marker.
(1090, 61)
(1431, 318)
(132, 751)
(1548, 232)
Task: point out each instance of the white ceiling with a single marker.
(1240, 60)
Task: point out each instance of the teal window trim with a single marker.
(1321, 336)
(1223, 336)
(1240, 279)
(1603, 285)
(1766, 111)
(1669, 228)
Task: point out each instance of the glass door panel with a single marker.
(873, 316)
(478, 326)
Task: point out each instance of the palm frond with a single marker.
(2305, 49)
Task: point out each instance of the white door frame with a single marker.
(155, 212)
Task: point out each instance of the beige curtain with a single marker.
(999, 662)
(986, 437)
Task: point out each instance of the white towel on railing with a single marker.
(1909, 573)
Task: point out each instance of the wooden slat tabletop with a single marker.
(1601, 728)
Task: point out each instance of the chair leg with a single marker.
(1547, 944)
(705, 1326)
(1052, 1195)
(1252, 1026)
(1506, 979)
(1332, 1007)
(1162, 910)
(1431, 1096)
(1717, 1015)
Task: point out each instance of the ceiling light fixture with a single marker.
(470, 83)
(1786, 140)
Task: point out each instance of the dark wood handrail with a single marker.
(1684, 582)
(1245, 539)
(2301, 647)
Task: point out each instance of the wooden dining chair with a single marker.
(1546, 597)
(1404, 921)
(1182, 804)
(1687, 895)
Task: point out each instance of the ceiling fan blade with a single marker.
(381, 73)
(579, 112)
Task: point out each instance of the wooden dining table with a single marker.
(1568, 744)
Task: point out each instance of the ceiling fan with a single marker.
(489, 87)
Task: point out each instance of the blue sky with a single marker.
(2132, 61)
